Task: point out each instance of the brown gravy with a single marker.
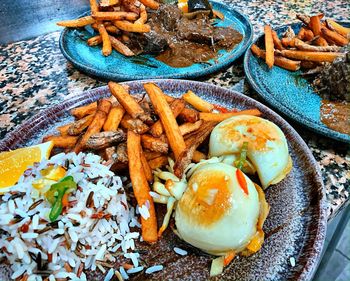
(336, 116)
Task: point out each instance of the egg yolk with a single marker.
(208, 197)
(255, 132)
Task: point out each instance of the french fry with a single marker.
(279, 61)
(112, 29)
(80, 125)
(176, 107)
(81, 22)
(96, 125)
(269, 58)
(320, 41)
(64, 129)
(197, 102)
(218, 117)
(154, 144)
(158, 162)
(150, 4)
(141, 188)
(165, 114)
(338, 28)
(62, 141)
(125, 37)
(189, 115)
(120, 47)
(108, 3)
(301, 33)
(309, 35)
(276, 41)
(114, 16)
(82, 111)
(310, 56)
(334, 36)
(288, 42)
(300, 45)
(133, 124)
(93, 6)
(151, 154)
(132, 27)
(126, 100)
(106, 42)
(95, 40)
(146, 168)
(315, 25)
(115, 115)
(187, 128)
(198, 156)
(143, 15)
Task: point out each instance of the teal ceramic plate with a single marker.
(117, 67)
(287, 92)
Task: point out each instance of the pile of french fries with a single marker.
(134, 132)
(316, 43)
(114, 20)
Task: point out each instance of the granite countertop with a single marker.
(35, 75)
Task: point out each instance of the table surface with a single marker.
(34, 75)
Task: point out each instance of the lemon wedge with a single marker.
(14, 163)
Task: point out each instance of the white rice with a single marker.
(153, 269)
(292, 261)
(109, 275)
(87, 241)
(180, 252)
(123, 273)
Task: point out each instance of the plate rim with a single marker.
(282, 109)
(310, 265)
(187, 75)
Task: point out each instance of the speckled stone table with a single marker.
(35, 75)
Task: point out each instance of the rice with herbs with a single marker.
(84, 236)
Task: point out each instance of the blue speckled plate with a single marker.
(295, 227)
(119, 68)
(287, 92)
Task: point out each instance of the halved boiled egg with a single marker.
(267, 145)
(216, 214)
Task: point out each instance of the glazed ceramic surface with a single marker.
(287, 91)
(295, 227)
(118, 67)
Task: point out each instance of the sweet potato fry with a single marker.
(320, 41)
(81, 22)
(309, 35)
(62, 141)
(158, 162)
(197, 102)
(146, 168)
(269, 58)
(111, 29)
(95, 40)
(301, 33)
(310, 56)
(93, 6)
(96, 125)
(82, 111)
(279, 61)
(338, 28)
(288, 42)
(151, 154)
(120, 47)
(133, 124)
(218, 117)
(80, 125)
(187, 128)
(64, 129)
(126, 100)
(300, 45)
(141, 188)
(334, 36)
(114, 16)
(165, 114)
(176, 107)
(315, 25)
(132, 27)
(115, 115)
(143, 15)
(276, 41)
(304, 18)
(106, 42)
(189, 115)
(154, 144)
(150, 4)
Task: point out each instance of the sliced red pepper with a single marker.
(25, 227)
(241, 180)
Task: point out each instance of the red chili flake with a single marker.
(4, 249)
(82, 213)
(223, 109)
(107, 216)
(25, 227)
(85, 165)
(98, 215)
(49, 257)
(87, 247)
(10, 239)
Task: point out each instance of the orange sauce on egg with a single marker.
(208, 197)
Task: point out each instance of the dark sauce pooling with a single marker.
(336, 116)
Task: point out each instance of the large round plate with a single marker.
(297, 222)
(287, 92)
(120, 68)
